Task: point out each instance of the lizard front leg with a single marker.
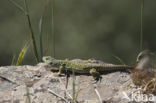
(94, 73)
(60, 70)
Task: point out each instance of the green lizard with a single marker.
(90, 66)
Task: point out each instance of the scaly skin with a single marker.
(91, 66)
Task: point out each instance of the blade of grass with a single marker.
(31, 32)
(73, 85)
(13, 62)
(77, 93)
(22, 54)
(40, 28)
(28, 99)
(53, 6)
(32, 37)
(141, 25)
(40, 32)
(119, 59)
(17, 5)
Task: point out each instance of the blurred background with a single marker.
(83, 29)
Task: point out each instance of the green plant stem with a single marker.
(17, 5)
(53, 6)
(13, 60)
(22, 54)
(40, 31)
(31, 32)
(28, 99)
(119, 59)
(141, 25)
(73, 77)
(41, 28)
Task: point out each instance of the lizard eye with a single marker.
(46, 58)
(63, 65)
(51, 63)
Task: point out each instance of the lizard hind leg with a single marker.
(95, 74)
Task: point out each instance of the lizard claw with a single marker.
(96, 79)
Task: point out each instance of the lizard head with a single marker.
(50, 61)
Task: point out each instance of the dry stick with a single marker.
(68, 94)
(148, 84)
(66, 90)
(66, 85)
(6, 79)
(98, 94)
(52, 92)
(155, 83)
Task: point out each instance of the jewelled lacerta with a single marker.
(90, 66)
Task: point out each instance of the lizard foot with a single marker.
(95, 74)
(96, 80)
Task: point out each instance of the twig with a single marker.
(65, 89)
(98, 94)
(52, 92)
(8, 80)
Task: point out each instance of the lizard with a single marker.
(90, 66)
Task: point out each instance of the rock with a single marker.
(38, 84)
